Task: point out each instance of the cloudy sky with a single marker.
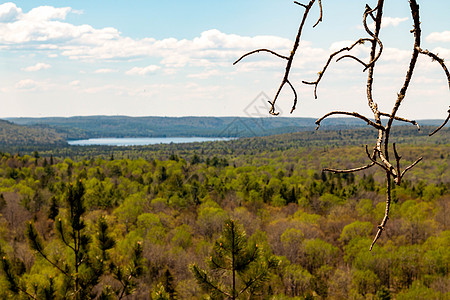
(174, 58)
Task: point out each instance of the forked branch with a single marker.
(290, 59)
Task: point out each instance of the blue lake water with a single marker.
(143, 141)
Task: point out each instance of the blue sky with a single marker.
(174, 58)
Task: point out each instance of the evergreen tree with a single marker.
(81, 270)
(53, 211)
(236, 267)
(167, 282)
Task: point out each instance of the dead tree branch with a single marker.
(291, 56)
(353, 114)
(442, 125)
(321, 73)
(380, 154)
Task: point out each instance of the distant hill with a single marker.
(13, 134)
(123, 126)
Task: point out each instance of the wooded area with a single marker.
(317, 226)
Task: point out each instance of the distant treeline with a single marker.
(123, 126)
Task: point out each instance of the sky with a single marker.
(175, 58)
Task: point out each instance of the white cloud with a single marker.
(37, 67)
(143, 71)
(438, 37)
(387, 22)
(104, 71)
(9, 12)
(74, 83)
(30, 85)
(44, 28)
(204, 75)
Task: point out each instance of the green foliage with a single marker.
(242, 263)
(354, 230)
(318, 224)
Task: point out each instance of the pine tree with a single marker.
(81, 270)
(236, 267)
(167, 282)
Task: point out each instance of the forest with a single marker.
(161, 221)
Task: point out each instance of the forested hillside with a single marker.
(17, 135)
(150, 213)
(123, 126)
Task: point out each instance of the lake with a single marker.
(143, 141)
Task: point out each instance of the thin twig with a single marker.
(260, 50)
(442, 125)
(435, 57)
(413, 122)
(336, 171)
(353, 57)
(289, 59)
(386, 211)
(374, 160)
(354, 114)
(411, 166)
(321, 14)
(374, 35)
(321, 73)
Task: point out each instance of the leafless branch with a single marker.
(435, 57)
(295, 96)
(289, 59)
(260, 50)
(386, 212)
(374, 160)
(321, 73)
(353, 114)
(413, 122)
(336, 171)
(375, 40)
(353, 57)
(411, 166)
(442, 125)
(321, 14)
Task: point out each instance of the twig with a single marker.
(375, 162)
(354, 114)
(321, 14)
(411, 166)
(374, 35)
(386, 212)
(413, 122)
(435, 57)
(289, 59)
(336, 171)
(260, 50)
(321, 73)
(442, 125)
(353, 57)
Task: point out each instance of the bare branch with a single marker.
(417, 35)
(397, 159)
(386, 212)
(321, 73)
(435, 57)
(305, 6)
(375, 162)
(353, 57)
(321, 14)
(374, 35)
(443, 124)
(289, 59)
(353, 114)
(260, 50)
(295, 96)
(336, 171)
(413, 122)
(411, 166)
